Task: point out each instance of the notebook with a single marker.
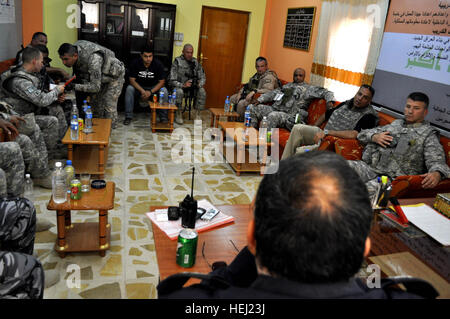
(173, 227)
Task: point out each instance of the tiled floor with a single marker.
(142, 166)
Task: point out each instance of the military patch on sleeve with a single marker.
(96, 75)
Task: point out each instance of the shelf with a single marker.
(115, 15)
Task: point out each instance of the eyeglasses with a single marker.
(216, 264)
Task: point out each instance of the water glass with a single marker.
(85, 182)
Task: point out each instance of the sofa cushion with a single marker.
(5, 65)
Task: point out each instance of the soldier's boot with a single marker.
(179, 117)
(45, 182)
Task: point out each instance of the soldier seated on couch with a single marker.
(408, 146)
(344, 121)
(289, 102)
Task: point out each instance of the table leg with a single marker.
(61, 243)
(212, 120)
(171, 119)
(101, 160)
(153, 120)
(70, 152)
(103, 221)
(67, 219)
(217, 121)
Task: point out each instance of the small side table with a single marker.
(162, 126)
(82, 237)
(218, 112)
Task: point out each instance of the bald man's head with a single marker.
(299, 75)
(188, 52)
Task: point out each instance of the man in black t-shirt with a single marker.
(344, 121)
(147, 77)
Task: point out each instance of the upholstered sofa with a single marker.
(408, 186)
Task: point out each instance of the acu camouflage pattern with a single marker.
(13, 167)
(296, 99)
(347, 116)
(263, 83)
(24, 91)
(102, 75)
(180, 72)
(414, 150)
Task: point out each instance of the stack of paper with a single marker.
(430, 221)
(173, 227)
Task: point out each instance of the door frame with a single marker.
(199, 50)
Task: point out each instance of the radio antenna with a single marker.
(192, 186)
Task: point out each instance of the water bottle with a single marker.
(28, 188)
(70, 172)
(88, 120)
(161, 96)
(247, 122)
(263, 129)
(226, 107)
(85, 105)
(74, 128)
(59, 188)
(174, 96)
(74, 110)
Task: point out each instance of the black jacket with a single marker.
(239, 280)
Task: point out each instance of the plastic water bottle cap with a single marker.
(74, 116)
(58, 164)
(84, 101)
(27, 175)
(69, 162)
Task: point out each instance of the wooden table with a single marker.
(221, 243)
(216, 113)
(91, 150)
(82, 237)
(240, 160)
(219, 248)
(162, 126)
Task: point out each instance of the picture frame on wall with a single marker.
(299, 28)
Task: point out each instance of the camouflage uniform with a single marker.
(12, 164)
(3, 185)
(295, 100)
(414, 150)
(21, 276)
(102, 75)
(181, 72)
(345, 118)
(26, 93)
(263, 83)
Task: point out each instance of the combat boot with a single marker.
(179, 117)
(45, 182)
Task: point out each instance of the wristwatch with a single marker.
(325, 132)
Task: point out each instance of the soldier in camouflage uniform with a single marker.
(407, 146)
(23, 153)
(344, 121)
(186, 74)
(263, 81)
(98, 72)
(21, 88)
(290, 101)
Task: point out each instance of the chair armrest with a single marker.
(410, 186)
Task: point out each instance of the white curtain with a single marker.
(349, 40)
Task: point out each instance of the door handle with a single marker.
(202, 58)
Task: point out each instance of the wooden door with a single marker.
(221, 51)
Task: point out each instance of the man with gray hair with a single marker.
(187, 77)
(263, 81)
